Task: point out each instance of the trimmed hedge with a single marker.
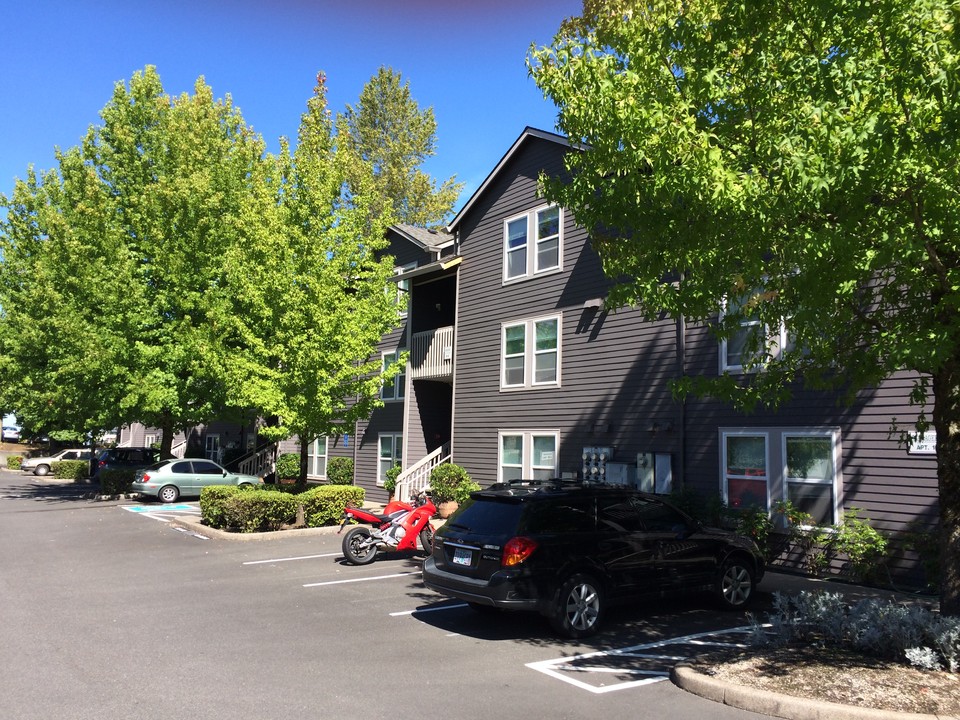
(116, 482)
(245, 510)
(14, 461)
(288, 466)
(71, 469)
(340, 471)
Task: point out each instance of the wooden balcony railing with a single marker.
(431, 354)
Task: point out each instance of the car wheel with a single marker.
(735, 583)
(579, 608)
(41, 470)
(426, 539)
(245, 486)
(359, 547)
(168, 494)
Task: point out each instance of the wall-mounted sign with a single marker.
(924, 443)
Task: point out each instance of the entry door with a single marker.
(212, 447)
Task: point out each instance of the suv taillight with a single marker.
(517, 550)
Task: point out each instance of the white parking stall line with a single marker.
(417, 611)
(291, 559)
(571, 669)
(191, 533)
(361, 579)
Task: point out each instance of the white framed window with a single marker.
(390, 454)
(395, 387)
(762, 466)
(402, 288)
(533, 243)
(317, 458)
(149, 440)
(735, 351)
(528, 454)
(530, 353)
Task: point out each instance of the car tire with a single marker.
(168, 494)
(579, 607)
(426, 539)
(357, 548)
(735, 583)
(41, 470)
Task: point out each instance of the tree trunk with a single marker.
(302, 479)
(946, 421)
(166, 437)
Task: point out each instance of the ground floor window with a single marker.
(317, 458)
(761, 466)
(391, 453)
(527, 455)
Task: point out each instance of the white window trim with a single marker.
(526, 465)
(395, 460)
(776, 460)
(776, 339)
(312, 457)
(531, 245)
(403, 296)
(530, 353)
(399, 380)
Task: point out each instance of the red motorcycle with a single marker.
(398, 528)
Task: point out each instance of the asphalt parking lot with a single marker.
(114, 612)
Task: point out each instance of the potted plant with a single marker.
(450, 485)
(390, 482)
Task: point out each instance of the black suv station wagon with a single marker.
(566, 550)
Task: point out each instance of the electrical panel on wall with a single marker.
(595, 461)
(645, 472)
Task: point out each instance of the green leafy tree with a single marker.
(794, 161)
(113, 268)
(310, 301)
(388, 129)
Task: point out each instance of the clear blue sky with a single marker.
(465, 59)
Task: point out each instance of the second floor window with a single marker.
(532, 243)
(393, 388)
(531, 354)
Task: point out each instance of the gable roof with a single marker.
(526, 135)
(425, 238)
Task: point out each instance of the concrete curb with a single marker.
(773, 704)
(195, 525)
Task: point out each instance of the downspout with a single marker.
(682, 367)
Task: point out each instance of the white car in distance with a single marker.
(42, 465)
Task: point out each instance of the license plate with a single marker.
(461, 556)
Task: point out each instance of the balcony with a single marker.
(431, 355)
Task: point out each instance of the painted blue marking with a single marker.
(158, 508)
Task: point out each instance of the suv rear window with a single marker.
(494, 518)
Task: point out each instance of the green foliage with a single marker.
(882, 629)
(864, 546)
(389, 130)
(390, 479)
(71, 469)
(14, 461)
(340, 471)
(261, 510)
(288, 466)
(116, 481)
(451, 482)
(924, 540)
(323, 505)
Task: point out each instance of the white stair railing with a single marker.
(261, 462)
(416, 478)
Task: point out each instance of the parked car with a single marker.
(125, 458)
(169, 480)
(568, 550)
(41, 465)
(10, 434)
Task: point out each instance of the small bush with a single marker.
(115, 482)
(390, 481)
(340, 471)
(288, 466)
(14, 461)
(451, 482)
(213, 501)
(324, 504)
(71, 469)
(251, 510)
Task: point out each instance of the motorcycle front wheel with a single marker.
(359, 548)
(426, 539)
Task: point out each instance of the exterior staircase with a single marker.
(416, 478)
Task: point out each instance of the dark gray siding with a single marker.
(614, 366)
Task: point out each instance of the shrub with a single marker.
(71, 469)
(252, 510)
(288, 466)
(213, 500)
(864, 546)
(324, 504)
(340, 471)
(14, 461)
(390, 481)
(883, 629)
(116, 481)
(451, 482)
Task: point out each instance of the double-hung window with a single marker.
(403, 288)
(751, 342)
(533, 243)
(317, 458)
(394, 387)
(391, 453)
(528, 455)
(530, 355)
(762, 466)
